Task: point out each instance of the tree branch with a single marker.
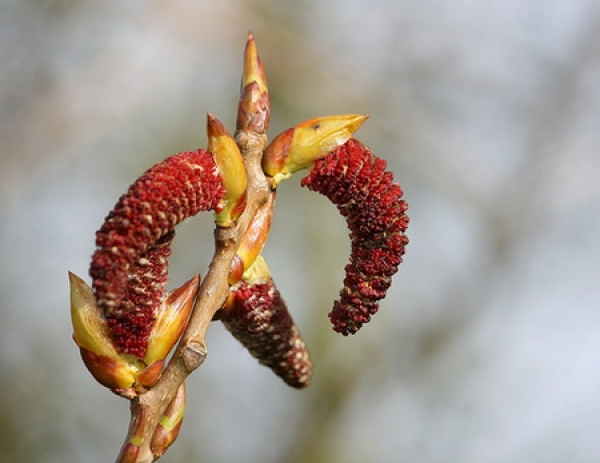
(147, 408)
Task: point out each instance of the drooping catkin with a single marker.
(356, 181)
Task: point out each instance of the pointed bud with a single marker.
(171, 320)
(258, 273)
(253, 241)
(253, 108)
(357, 182)
(257, 317)
(299, 147)
(170, 424)
(91, 334)
(231, 167)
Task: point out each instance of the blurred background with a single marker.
(487, 348)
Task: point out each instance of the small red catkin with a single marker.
(356, 181)
(259, 319)
(129, 266)
(145, 291)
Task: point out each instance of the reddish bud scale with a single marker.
(129, 266)
(357, 182)
(259, 319)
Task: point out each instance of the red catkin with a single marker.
(356, 181)
(258, 318)
(131, 323)
(129, 266)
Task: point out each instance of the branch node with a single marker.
(194, 354)
(250, 141)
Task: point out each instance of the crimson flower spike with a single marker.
(253, 109)
(357, 182)
(256, 315)
(179, 187)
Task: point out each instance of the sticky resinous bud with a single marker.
(253, 241)
(253, 108)
(91, 333)
(169, 425)
(230, 166)
(299, 147)
(170, 321)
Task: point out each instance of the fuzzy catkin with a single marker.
(129, 266)
(258, 318)
(356, 181)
